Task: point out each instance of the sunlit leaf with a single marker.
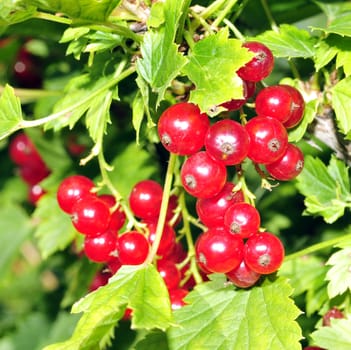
(341, 94)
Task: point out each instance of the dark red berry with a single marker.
(249, 88)
(118, 216)
(182, 128)
(133, 248)
(334, 312)
(100, 279)
(297, 109)
(243, 276)
(100, 248)
(170, 273)
(177, 298)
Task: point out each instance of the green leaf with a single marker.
(289, 42)
(341, 94)
(339, 275)
(131, 165)
(327, 189)
(212, 67)
(12, 12)
(10, 111)
(220, 317)
(153, 340)
(138, 114)
(140, 288)
(341, 25)
(55, 230)
(93, 10)
(336, 336)
(14, 228)
(324, 54)
(161, 62)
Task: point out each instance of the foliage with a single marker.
(108, 69)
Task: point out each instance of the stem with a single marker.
(223, 14)
(213, 8)
(29, 95)
(38, 122)
(270, 18)
(164, 205)
(318, 246)
(53, 18)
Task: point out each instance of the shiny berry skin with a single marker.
(118, 216)
(202, 176)
(133, 248)
(288, 166)
(145, 199)
(249, 88)
(33, 174)
(35, 192)
(243, 276)
(268, 139)
(227, 141)
(264, 253)
(23, 152)
(211, 210)
(260, 66)
(100, 249)
(168, 239)
(177, 298)
(218, 250)
(91, 215)
(182, 128)
(242, 219)
(298, 108)
(114, 264)
(275, 101)
(170, 273)
(334, 312)
(71, 189)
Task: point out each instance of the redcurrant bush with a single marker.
(298, 108)
(177, 298)
(170, 273)
(264, 253)
(182, 128)
(132, 248)
(268, 139)
(202, 176)
(334, 312)
(242, 276)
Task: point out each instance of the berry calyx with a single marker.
(182, 128)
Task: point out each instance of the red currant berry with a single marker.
(264, 253)
(288, 166)
(177, 254)
(33, 174)
(249, 88)
(23, 152)
(260, 66)
(243, 276)
(202, 176)
(100, 248)
(118, 216)
(227, 141)
(177, 298)
(133, 248)
(297, 109)
(211, 210)
(91, 215)
(145, 199)
(114, 264)
(312, 348)
(218, 250)
(35, 192)
(275, 101)
(268, 139)
(334, 312)
(72, 189)
(242, 219)
(170, 273)
(182, 128)
(167, 241)
(100, 279)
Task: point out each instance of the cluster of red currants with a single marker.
(233, 242)
(101, 220)
(31, 167)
